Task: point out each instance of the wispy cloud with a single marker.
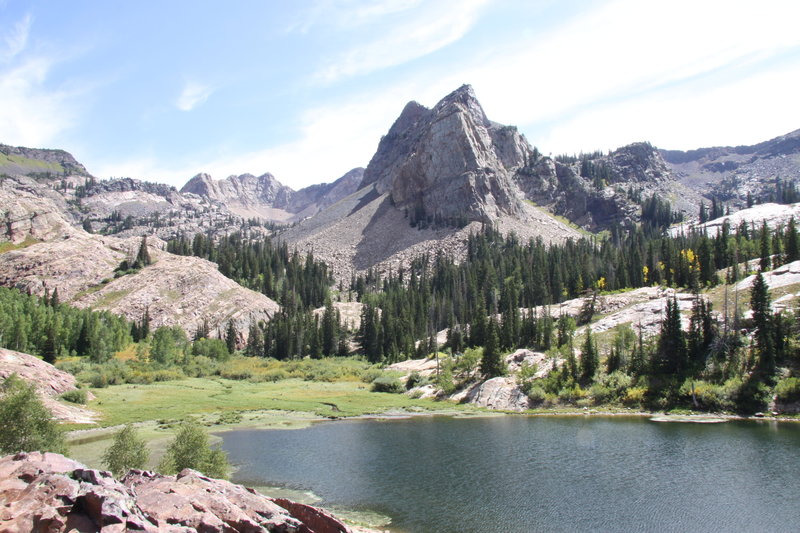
(193, 94)
(17, 38)
(425, 29)
(346, 14)
(31, 114)
(615, 53)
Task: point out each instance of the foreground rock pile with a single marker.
(49, 492)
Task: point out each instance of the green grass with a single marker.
(222, 404)
(174, 400)
(33, 164)
(8, 246)
(111, 297)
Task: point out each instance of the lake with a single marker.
(527, 474)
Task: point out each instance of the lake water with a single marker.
(526, 474)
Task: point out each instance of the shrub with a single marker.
(788, 390)
(537, 395)
(75, 396)
(371, 374)
(635, 396)
(126, 452)
(190, 449)
(416, 380)
(27, 424)
(387, 384)
(273, 375)
(212, 348)
(610, 388)
(711, 397)
(571, 394)
(445, 380)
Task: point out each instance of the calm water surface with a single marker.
(521, 474)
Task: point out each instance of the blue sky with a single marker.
(304, 89)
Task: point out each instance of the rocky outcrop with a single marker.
(264, 197)
(29, 210)
(49, 492)
(500, 393)
(176, 290)
(50, 383)
(449, 163)
(38, 162)
(732, 173)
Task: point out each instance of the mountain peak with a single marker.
(449, 162)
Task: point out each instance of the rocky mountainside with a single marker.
(437, 175)
(449, 163)
(175, 290)
(731, 172)
(49, 492)
(18, 160)
(264, 197)
(50, 383)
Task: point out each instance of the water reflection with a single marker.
(540, 473)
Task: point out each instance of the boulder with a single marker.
(49, 492)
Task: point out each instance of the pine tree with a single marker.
(764, 327)
(143, 256)
(330, 326)
(792, 242)
(50, 349)
(491, 363)
(671, 354)
(230, 337)
(765, 248)
(589, 359)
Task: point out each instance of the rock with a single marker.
(49, 492)
(50, 383)
(177, 290)
(498, 393)
(731, 173)
(266, 198)
(450, 162)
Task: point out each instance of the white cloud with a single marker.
(747, 111)
(347, 14)
(622, 51)
(31, 114)
(333, 139)
(17, 38)
(427, 30)
(193, 94)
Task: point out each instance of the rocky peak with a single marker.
(247, 189)
(449, 163)
(201, 185)
(639, 162)
(39, 162)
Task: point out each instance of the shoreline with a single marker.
(271, 419)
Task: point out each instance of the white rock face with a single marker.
(499, 393)
(775, 215)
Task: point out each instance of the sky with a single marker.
(304, 89)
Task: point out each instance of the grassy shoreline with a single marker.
(224, 405)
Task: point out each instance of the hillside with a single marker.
(731, 173)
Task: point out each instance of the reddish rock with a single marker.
(46, 492)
